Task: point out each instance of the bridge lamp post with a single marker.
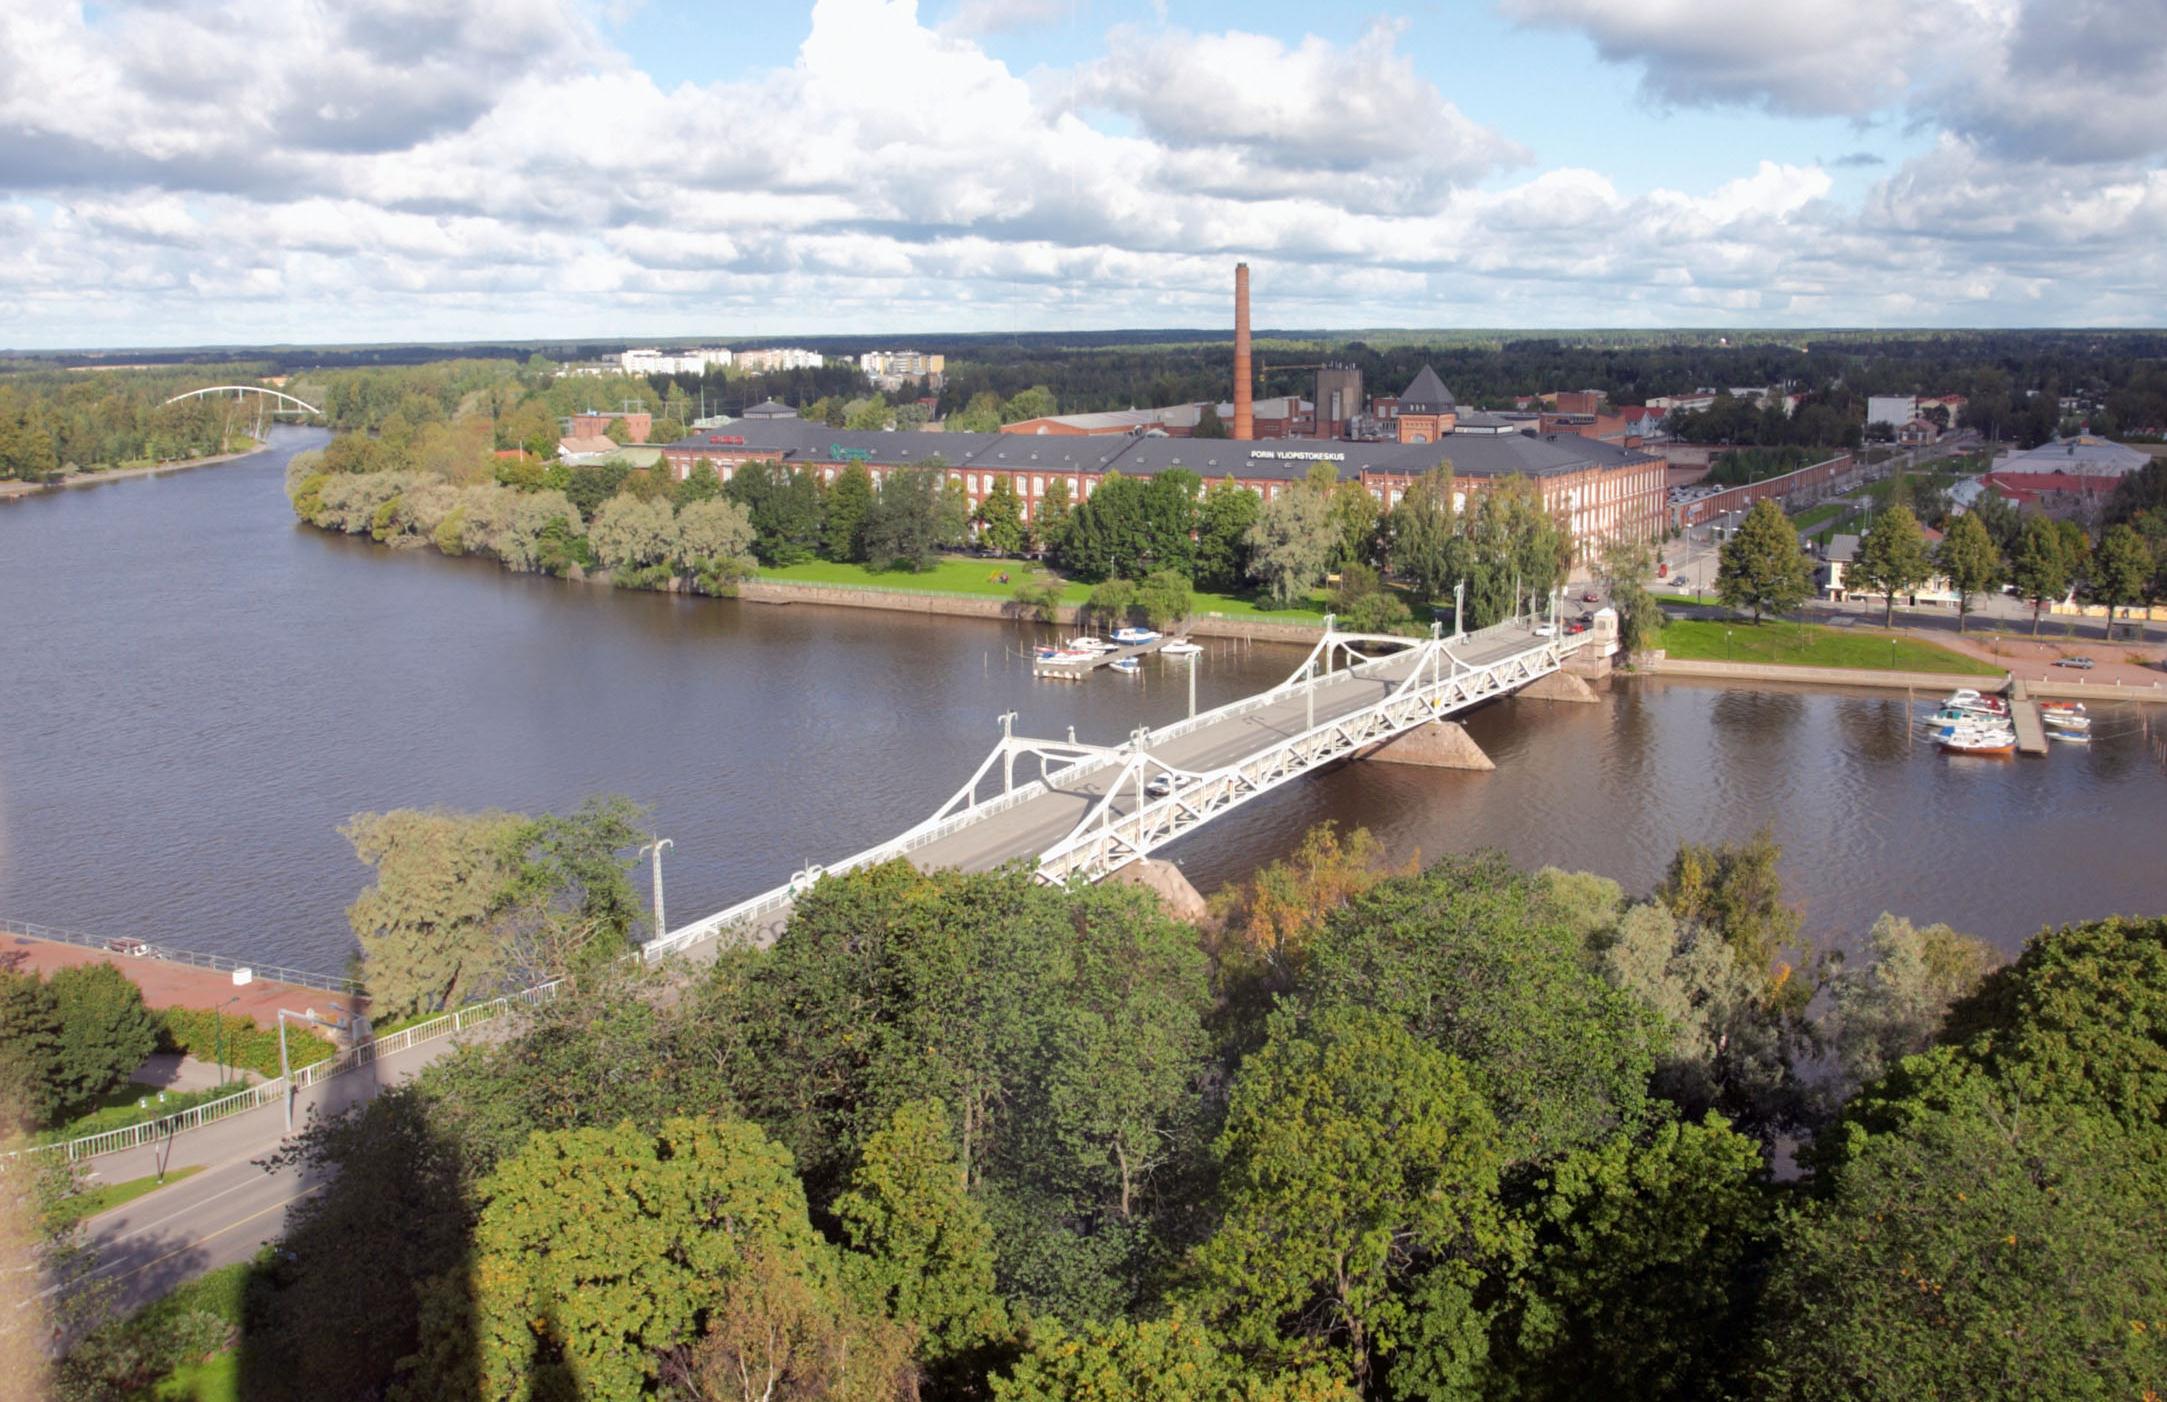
(656, 846)
(1459, 609)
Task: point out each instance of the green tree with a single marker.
(1623, 568)
(981, 415)
(1980, 1245)
(785, 506)
(1000, 517)
(1472, 957)
(1969, 560)
(1892, 1005)
(1111, 600)
(1329, 1224)
(32, 1080)
(667, 430)
(1735, 890)
(869, 416)
(629, 535)
(1761, 567)
(2039, 566)
(2122, 571)
(1164, 598)
(1208, 423)
(1643, 1273)
(914, 517)
(1224, 517)
(425, 926)
(849, 503)
(714, 543)
(1291, 544)
(572, 872)
(1175, 1359)
(921, 1251)
(1427, 548)
(1355, 521)
(1037, 402)
(617, 431)
(1050, 527)
(105, 1031)
(700, 484)
(1893, 558)
(598, 1249)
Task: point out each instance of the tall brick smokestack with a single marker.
(1245, 425)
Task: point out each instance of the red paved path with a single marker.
(174, 985)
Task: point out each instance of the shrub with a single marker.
(196, 1032)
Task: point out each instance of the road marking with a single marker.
(194, 1207)
(278, 1206)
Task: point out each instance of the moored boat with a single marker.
(1126, 664)
(1980, 742)
(1182, 647)
(2064, 721)
(1134, 637)
(2072, 737)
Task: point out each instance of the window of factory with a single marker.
(1072, 489)
(1038, 486)
(971, 483)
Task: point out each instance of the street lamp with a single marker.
(285, 1067)
(218, 1033)
(656, 847)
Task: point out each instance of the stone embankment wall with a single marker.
(768, 591)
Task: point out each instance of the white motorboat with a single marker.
(1088, 645)
(1134, 637)
(2064, 720)
(1126, 664)
(1182, 647)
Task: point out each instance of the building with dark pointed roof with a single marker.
(1426, 411)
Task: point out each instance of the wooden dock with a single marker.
(2024, 714)
(1078, 670)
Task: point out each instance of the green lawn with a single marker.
(107, 1196)
(1828, 513)
(1811, 645)
(981, 578)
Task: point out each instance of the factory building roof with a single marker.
(1427, 395)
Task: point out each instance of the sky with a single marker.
(192, 172)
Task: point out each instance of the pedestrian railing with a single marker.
(353, 1058)
(129, 946)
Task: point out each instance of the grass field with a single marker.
(1828, 513)
(1811, 645)
(981, 578)
(107, 1196)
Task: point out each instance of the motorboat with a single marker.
(1979, 742)
(1088, 645)
(1134, 637)
(2074, 708)
(2064, 720)
(1182, 647)
(1126, 664)
(2071, 737)
(1969, 700)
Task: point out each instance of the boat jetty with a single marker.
(1080, 657)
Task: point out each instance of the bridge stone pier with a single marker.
(1082, 812)
(1559, 686)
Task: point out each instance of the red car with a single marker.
(1591, 597)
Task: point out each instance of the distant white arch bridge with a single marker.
(282, 398)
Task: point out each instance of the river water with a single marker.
(195, 692)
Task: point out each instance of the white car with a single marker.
(1546, 630)
(1159, 786)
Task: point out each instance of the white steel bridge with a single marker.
(1083, 811)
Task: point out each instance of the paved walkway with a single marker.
(167, 985)
(234, 1207)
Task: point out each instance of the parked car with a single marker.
(2082, 664)
(1591, 597)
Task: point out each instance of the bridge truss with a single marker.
(279, 398)
(1419, 679)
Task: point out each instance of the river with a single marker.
(195, 691)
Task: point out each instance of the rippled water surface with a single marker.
(195, 692)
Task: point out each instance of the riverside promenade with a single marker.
(170, 983)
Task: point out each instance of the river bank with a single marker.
(92, 477)
(768, 591)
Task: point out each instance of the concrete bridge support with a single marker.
(1559, 686)
(1442, 744)
(1165, 880)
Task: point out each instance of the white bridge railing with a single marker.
(760, 918)
(269, 1092)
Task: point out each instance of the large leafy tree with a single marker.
(849, 502)
(785, 506)
(1358, 1161)
(1970, 561)
(2040, 565)
(921, 1251)
(2122, 570)
(1000, 518)
(1515, 551)
(105, 1031)
(1173, 1359)
(1624, 567)
(425, 926)
(1471, 956)
(32, 1083)
(1426, 547)
(1643, 1272)
(598, 1249)
(1893, 558)
(1974, 1243)
(1892, 1003)
(629, 534)
(1356, 516)
(1291, 544)
(1761, 567)
(913, 518)
(1224, 517)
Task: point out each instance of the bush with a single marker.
(105, 1031)
(195, 1032)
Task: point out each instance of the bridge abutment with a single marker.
(1441, 744)
(1165, 880)
(1559, 686)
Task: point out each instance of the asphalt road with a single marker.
(234, 1207)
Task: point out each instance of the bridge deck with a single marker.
(1027, 830)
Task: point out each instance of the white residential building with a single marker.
(647, 360)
